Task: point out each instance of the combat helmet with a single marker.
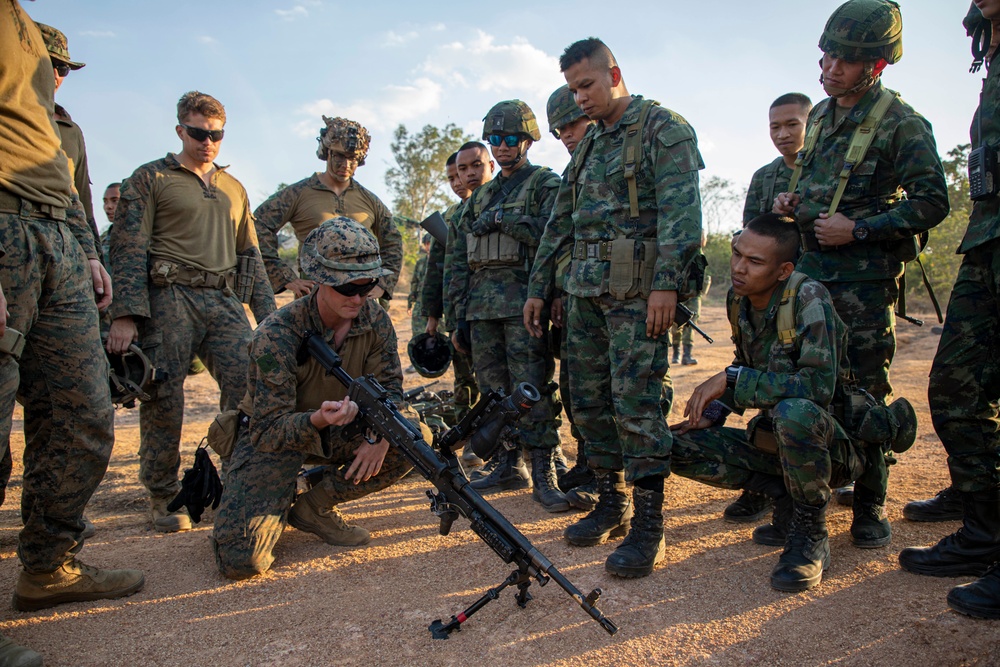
(864, 30)
(430, 354)
(350, 133)
(562, 110)
(340, 251)
(511, 117)
(131, 376)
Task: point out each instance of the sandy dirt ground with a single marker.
(709, 603)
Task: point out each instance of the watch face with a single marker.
(861, 232)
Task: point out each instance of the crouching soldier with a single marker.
(297, 412)
(790, 364)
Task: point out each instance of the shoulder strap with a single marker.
(770, 176)
(734, 317)
(785, 318)
(505, 189)
(632, 155)
(812, 136)
(525, 198)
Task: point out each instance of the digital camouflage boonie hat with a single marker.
(895, 424)
(354, 137)
(340, 251)
(511, 117)
(864, 30)
(56, 45)
(561, 109)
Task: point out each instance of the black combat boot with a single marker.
(750, 507)
(585, 496)
(559, 459)
(844, 495)
(981, 598)
(675, 358)
(487, 468)
(968, 551)
(945, 506)
(509, 474)
(870, 527)
(612, 516)
(775, 533)
(688, 360)
(807, 551)
(545, 489)
(579, 474)
(644, 546)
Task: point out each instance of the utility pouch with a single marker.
(246, 271)
(647, 266)
(763, 436)
(492, 250)
(163, 273)
(12, 343)
(224, 430)
(622, 284)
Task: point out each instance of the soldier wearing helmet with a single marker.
(856, 246)
(294, 411)
(486, 275)
(343, 146)
(963, 391)
(630, 211)
(567, 122)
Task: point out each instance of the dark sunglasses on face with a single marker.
(60, 68)
(353, 289)
(199, 134)
(511, 140)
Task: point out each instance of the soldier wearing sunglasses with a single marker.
(296, 411)
(182, 226)
(343, 145)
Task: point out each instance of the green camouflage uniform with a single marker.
(434, 302)
(418, 319)
(491, 298)
(862, 277)
(281, 396)
(767, 183)
(46, 279)
(793, 386)
(175, 321)
(964, 387)
(616, 372)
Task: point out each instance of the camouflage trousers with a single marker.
(260, 488)
(186, 321)
(810, 457)
(616, 385)
(964, 387)
(466, 390)
(62, 378)
(867, 308)
(683, 335)
(505, 355)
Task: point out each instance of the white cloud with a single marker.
(296, 12)
(100, 34)
(393, 105)
(207, 39)
(393, 38)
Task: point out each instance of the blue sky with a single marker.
(277, 66)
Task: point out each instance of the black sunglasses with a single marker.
(353, 289)
(61, 68)
(199, 134)
(511, 140)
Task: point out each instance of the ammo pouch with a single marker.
(494, 249)
(762, 435)
(632, 264)
(224, 431)
(246, 271)
(163, 272)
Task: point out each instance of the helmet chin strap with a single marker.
(873, 70)
(517, 158)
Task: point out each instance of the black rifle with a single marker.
(411, 394)
(379, 418)
(682, 318)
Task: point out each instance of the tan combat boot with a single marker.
(167, 522)
(314, 512)
(73, 582)
(14, 655)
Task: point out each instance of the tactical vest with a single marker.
(767, 189)
(498, 249)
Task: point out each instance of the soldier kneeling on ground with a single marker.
(295, 412)
(790, 364)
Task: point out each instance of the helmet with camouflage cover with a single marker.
(864, 30)
(56, 45)
(351, 134)
(430, 354)
(561, 109)
(340, 251)
(511, 117)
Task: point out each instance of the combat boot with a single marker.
(487, 468)
(775, 533)
(559, 460)
(314, 512)
(644, 545)
(968, 551)
(870, 527)
(579, 474)
(73, 582)
(545, 489)
(165, 521)
(750, 507)
(807, 551)
(14, 655)
(688, 360)
(945, 506)
(469, 459)
(510, 473)
(981, 598)
(584, 497)
(844, 495)
(612, 516)
(89, 530)
(675, 358)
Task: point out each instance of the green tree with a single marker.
(418, 182)
(721, 205)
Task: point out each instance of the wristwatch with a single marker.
(861, 231)
(732, 375)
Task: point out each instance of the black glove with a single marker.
(200, 487)
(486, 222)
(462, 335)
